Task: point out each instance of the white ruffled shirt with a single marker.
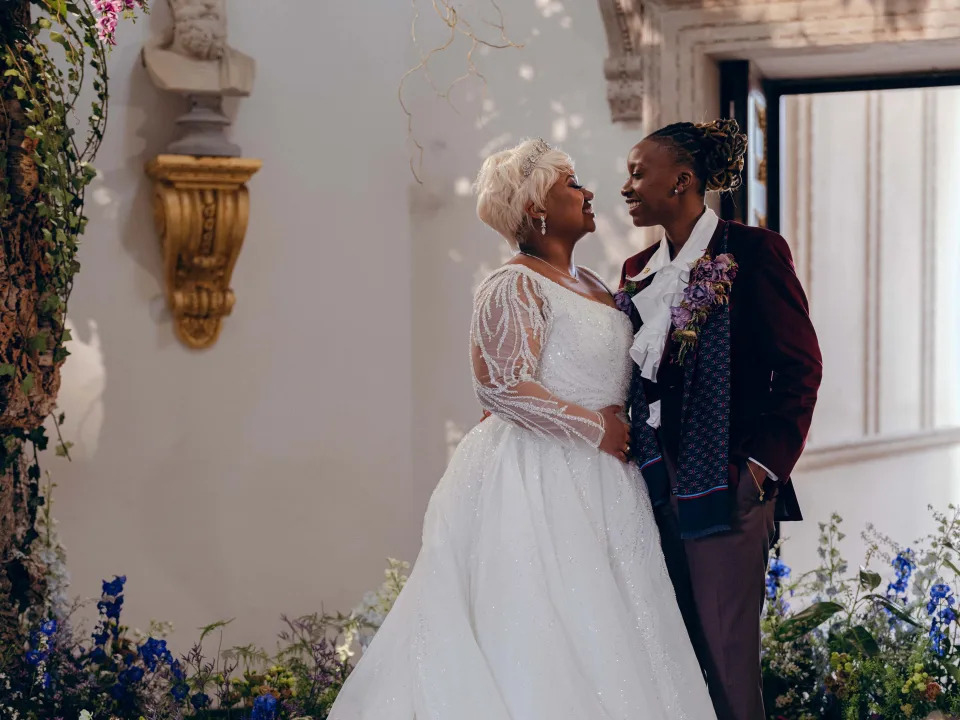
(666, 291)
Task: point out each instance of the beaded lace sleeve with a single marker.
(511, 321)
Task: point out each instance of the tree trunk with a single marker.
(27, 395)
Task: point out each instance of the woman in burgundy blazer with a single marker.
(774, 373)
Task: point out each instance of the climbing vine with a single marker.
(53, 114)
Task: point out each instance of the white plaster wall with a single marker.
(272, 473)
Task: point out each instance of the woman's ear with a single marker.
(685, 181)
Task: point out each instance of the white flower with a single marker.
(343, 649)
(85, 715)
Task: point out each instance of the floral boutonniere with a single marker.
(624, 297)
(709, 287)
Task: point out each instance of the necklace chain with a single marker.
(575, 276)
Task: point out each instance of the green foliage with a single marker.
(855, 654)
(55, 89)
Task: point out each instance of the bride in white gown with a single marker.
(540, 592)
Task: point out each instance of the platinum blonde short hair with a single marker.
(512, 179)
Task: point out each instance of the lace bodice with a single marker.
(546, 358)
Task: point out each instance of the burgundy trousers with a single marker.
(720, 586)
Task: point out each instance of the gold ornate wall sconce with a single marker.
(201, 206)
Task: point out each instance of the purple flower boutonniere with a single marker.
(624, 297)
(709, 287)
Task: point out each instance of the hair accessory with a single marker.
(530, 161)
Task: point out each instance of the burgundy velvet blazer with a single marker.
(776, 365)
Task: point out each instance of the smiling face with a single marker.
(519, 187)
(568, 209)
(654, 182)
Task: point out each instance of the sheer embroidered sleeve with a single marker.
(511, 321)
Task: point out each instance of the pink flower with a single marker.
(108, 14)
(107, 8)
(107, 11)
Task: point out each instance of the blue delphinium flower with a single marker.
(936, 595)
(778, 569)
(49, 628)
(939, 639)
(264, 708)
(905, 562)
(111, 608)
(180, 691)
(39, 647)
(154, 651)
(34, 657)
(114, 587)
(776, 573)
(100, 636)
(200, 701)
(939, 591)
(941, 612)
(903, 566)
(130, 676)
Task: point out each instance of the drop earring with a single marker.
(543, 225)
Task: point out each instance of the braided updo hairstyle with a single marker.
(715, 150)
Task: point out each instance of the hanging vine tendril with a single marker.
(456, 25)
(42, 197)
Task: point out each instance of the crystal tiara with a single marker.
(530, 161)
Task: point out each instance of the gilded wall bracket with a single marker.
(201, 206)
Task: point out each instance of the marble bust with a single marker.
(193, 57)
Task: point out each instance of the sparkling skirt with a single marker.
(540, 593)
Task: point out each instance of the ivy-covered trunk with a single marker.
(29, 377)
(49, 51)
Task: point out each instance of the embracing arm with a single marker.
(510, 325)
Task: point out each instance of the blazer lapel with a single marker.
(714, 244)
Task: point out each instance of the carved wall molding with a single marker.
(623, 70)
(877, 449)
(201, 206)
(929, 314)
(873, 266)
(663, 53)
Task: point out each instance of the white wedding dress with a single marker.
(540, 592)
